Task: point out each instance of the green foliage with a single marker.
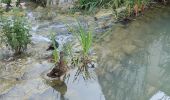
(67, 48)
(85, 37)
(15, 31)
(6, 1)
(90, 5)
(55, 51)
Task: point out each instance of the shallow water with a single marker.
(133, 63)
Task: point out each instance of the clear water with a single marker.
(135, 60)
(133, 64)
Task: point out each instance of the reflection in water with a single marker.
(59, 86)
(74, 87)
(134, 62)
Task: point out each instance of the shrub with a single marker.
(6, 1)
(15, 31)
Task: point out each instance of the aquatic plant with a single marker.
(85, 38)
(55, 52)
(15, 31)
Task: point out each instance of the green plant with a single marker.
(131, 5)
(6, 1)
(89, 5)
(55, 51)
(15, 31)
(85, 38)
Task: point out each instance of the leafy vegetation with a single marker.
(6, 1)
(55, 51)
(130, 5)
(15, 31)
(88, 4)
(84, 36)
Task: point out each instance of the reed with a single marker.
(55, 52)
(85, 38)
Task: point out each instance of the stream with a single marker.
(133, 62)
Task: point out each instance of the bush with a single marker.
(15, 31)
(6, 1)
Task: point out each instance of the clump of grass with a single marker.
(15, 29)
(55, 52)
(88, 5)
(85, 38)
